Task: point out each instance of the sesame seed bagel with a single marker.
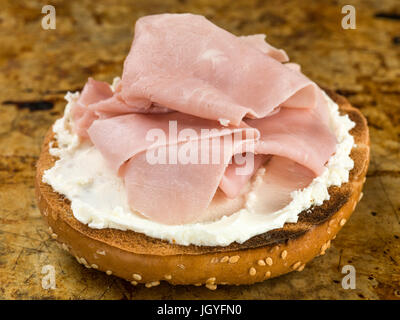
(142, 259)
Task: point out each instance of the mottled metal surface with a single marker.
(92, 38)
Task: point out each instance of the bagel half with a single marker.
(142, 259)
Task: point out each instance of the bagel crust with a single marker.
(141, 259)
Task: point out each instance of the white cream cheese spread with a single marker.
(98, 197)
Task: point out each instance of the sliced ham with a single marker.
(282, 177)
(232, 183)
(184, 191)
(296, 134)
(186, 63)
(122, 137)
(182, 70)
(258, 41)
(93, 91)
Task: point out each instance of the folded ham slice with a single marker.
(282, 176)
(183, 190)
(184, 71)
(186, 63)
(258, 41)
(93, 92)
(121, 138)
(297, 134)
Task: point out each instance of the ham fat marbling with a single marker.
(183, 69)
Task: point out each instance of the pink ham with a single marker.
(233, 183)
(296, 134)
(185, 63)
(184, 191)
(300, 135)
(122, 137)
(258, 41)
(282, 177)
(206, 71)
(183, 68)
(97, 100)
(93, 91)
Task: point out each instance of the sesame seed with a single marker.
(101, 252)
(342, 222)
(197, 284)
(94, 266)
(301, 268)
(261, 262)
(252, 271)
(181, 266)
(137, 277)
(284, 254)
(267, 274)
(361, 195)
(109, 272)
(134, 283)
(234, 259)
(365, 179)
(54, 236)
(211, 286)
(225, 259)
(296, 265)
(83, 260)
(276, 248)
(77, 259)
(269, 261)
(211, 280)
(214, 260)
(334, 237)
(65, 247)
(168, 277)
(148, 285)
(328, 244)
(155, 283)
(50, 230)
